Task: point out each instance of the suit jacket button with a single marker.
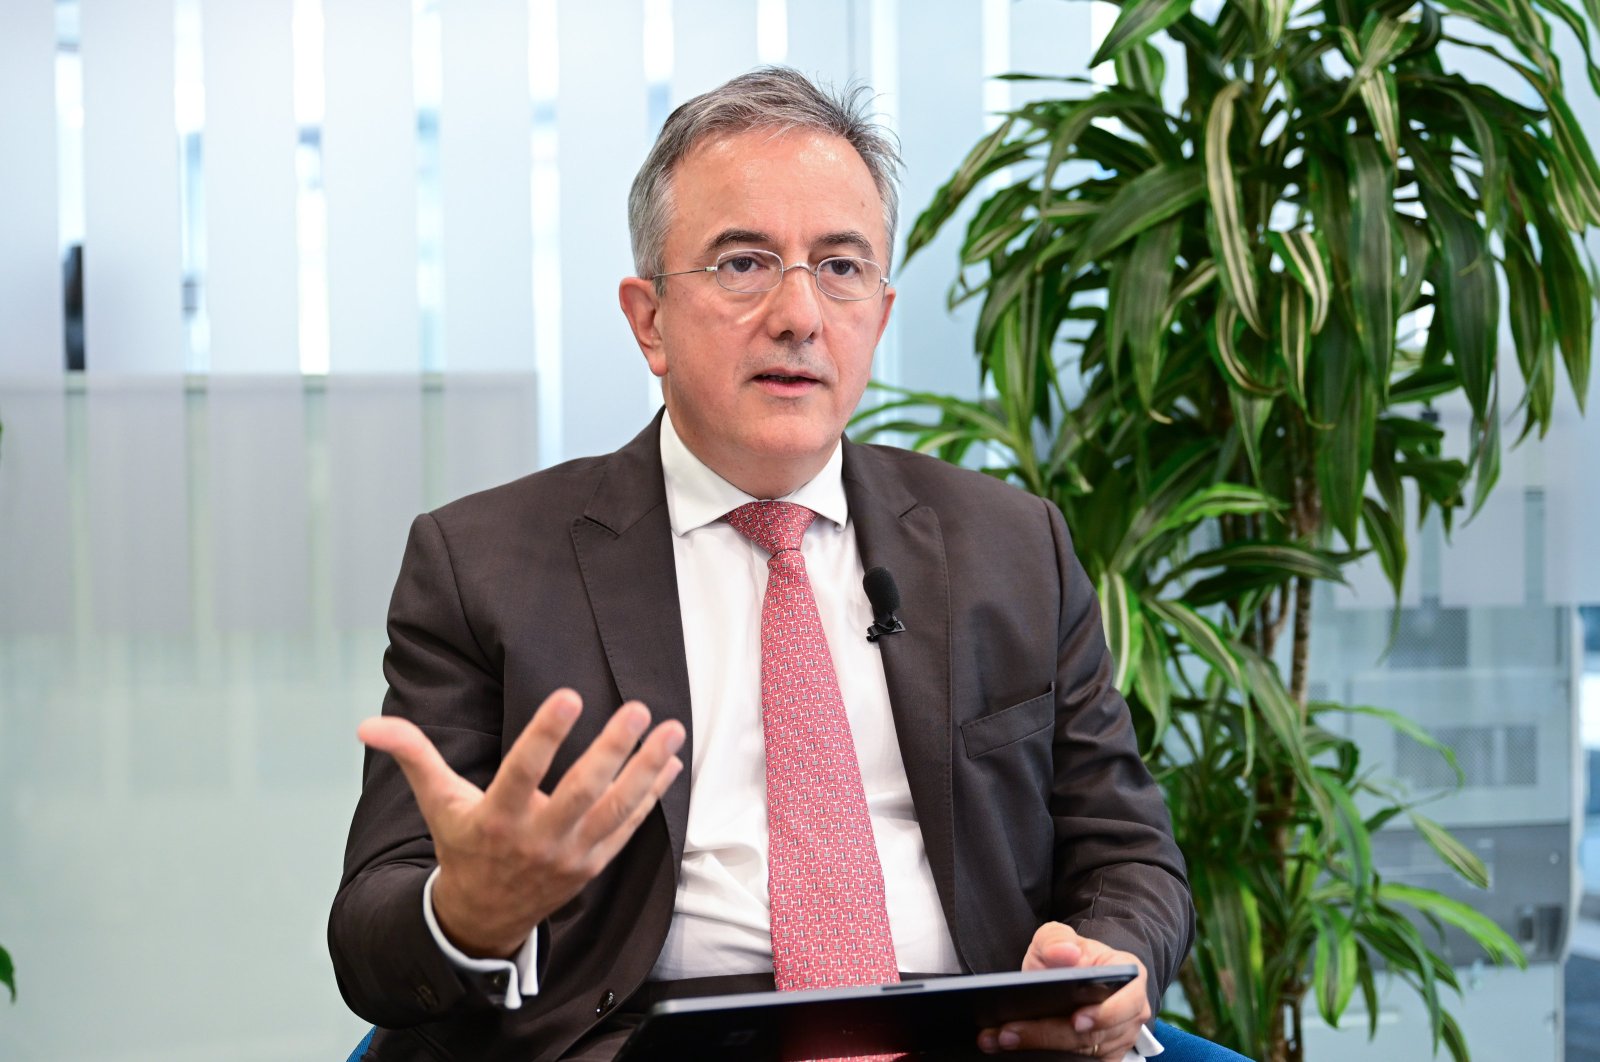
(426, 997)
(608, 999)
(498, 980)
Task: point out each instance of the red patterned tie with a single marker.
(830, 925)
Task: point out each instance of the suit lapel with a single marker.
(896, 531)
(624, 547)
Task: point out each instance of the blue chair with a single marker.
(361, 1048)
(1180, 1047)
(1187, 1047)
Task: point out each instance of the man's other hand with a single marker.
(1104, 1030)
(512, 855)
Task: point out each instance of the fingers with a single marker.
(1058, 1034)
(528, 759)
(594, 773)
(431, 779)
(629, 798)
(1128, 1005)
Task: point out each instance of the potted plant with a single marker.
(1261, 292)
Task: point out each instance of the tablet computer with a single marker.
(936, 1015)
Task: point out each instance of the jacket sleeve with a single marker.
(390, 969)
(1118, 877)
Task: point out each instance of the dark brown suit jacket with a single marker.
(1032, 799)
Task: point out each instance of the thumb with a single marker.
(432, 781)
(1054, 945)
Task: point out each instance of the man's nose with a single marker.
(796, 310)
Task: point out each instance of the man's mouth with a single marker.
(787, 378)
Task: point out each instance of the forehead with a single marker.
(797, 185)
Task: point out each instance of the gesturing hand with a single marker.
(511, 855)
(1103, 1030)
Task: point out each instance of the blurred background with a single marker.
(276, 275)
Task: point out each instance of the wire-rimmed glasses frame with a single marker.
(764, 270)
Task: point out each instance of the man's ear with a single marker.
(642, 307)
(883, 321)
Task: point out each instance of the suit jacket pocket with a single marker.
(997, 729)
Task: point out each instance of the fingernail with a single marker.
(1083, 1023)
(636, 723)
(987, 1043)
(1009, 1039)
(674, 741)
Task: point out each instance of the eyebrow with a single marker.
(727, 238)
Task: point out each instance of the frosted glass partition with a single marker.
(940, 117)
(133, 266)
(600, 120)
(826, 39)
(252, 261)
(37, 507)
(30, 268)
(486, 166)
(188, 638)
(370, 171)
(711, 42)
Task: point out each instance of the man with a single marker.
(521, 884)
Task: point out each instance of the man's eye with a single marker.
(842, 267)
(742, 263)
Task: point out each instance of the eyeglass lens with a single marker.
(843, 278)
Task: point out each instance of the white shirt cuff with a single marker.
(1145, 1045)
(505, 981)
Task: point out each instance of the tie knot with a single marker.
(775, 526)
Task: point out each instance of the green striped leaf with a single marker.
(1334, 963)
(1470, 297)
(1137, 21)
(1278, 557)
(1200, 635)
(1275, 17)
(1416, 254)
(1303, 258)
(994, 152)
(1119, 613)
(1372, 267)
(1479, 927)
(1220, 499)
(1294, 337)
(1222, 341)
(1230, 244)
(1343, 400)
(1382, 100)
(1151, 678)
(1283, 718)
(1142, 68)
(1149, 199)
(1459, 858)
(1404, 725)
(1388, 540)
(1350, 831)
(1143, 293)
(1490, 146)
(1571, 305)
(1250, 416)
(1191, 284)
(1531, 328)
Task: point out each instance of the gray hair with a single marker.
(778, 98)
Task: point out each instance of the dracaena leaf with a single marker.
(1137, 21)
(1373, 255)
(1230, 243)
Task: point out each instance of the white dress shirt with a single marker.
(721, 922)
(721, 917)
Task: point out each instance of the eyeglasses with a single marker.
(750, 272)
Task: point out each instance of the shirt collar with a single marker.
(697, 496)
